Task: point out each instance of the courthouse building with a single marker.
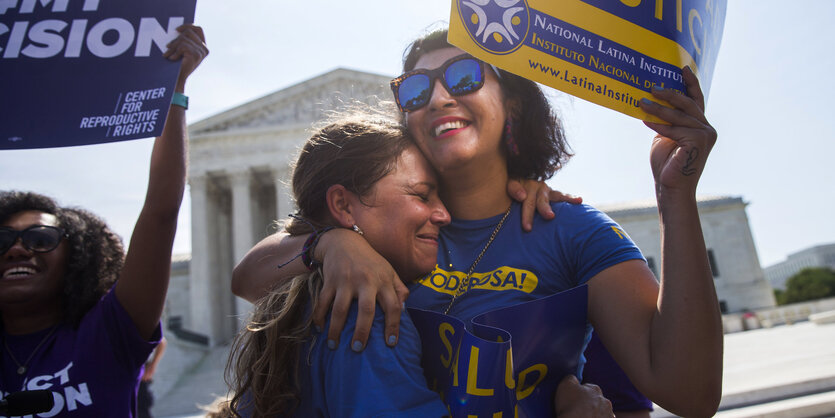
(239, 173)
(737, 275)
(817, 256)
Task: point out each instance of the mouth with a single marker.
(429, 237)
(18, 273)
(445, 128)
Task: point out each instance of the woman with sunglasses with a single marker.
(63, 329)
(478, 127)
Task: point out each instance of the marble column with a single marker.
(200, 278)
(283, 192)
(281, 211)
(242, 237)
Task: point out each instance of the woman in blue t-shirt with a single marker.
(359, 169)
(479, 126)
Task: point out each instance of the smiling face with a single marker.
(402, 215)
(27, 277)
(457, 131)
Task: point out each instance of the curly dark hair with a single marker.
(538, 132)
(96, 253)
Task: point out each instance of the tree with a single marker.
(780, 296)
(809, 284)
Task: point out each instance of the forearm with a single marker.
(144, 280)
(258, 271)
(686, 334)
(167, 178)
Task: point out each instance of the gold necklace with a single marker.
(464, 286)
(22, 368)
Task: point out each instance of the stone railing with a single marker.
(779, 315)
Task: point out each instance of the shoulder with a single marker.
(109, 325)
(573, 220)
(580, 211)
(380, 380)
(408, 342)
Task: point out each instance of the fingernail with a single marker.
(318, 328)
(332, 344)
(688, 69)
(392, 339)
(656, 87)
(646, 101)
(403, 306)
(356, 346)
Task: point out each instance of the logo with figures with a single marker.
(498, 26)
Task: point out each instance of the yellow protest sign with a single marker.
(609, 52)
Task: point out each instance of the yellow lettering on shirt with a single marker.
(500, 279)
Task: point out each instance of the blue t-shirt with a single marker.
(381, 381)
(92, 371)
(521, 266)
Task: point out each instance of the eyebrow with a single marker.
(431, 186)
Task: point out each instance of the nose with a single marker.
(17, 249)
(440, 97)
(440, 216)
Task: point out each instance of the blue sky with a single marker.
(771, 102)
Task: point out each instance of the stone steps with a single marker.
(815, 405)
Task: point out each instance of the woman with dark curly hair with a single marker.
(478, 125)
(63, 329)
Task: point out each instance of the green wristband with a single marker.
(180, 99)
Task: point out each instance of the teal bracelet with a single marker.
(180, 99)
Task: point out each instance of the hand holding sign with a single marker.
(190, 46)
(680, 150)
(580, 401)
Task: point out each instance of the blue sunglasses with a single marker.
(459, 75)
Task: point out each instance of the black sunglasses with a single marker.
(36, 238)
(459, 75)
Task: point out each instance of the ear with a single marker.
(341, 202)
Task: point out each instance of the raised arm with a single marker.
(668, 338)
(143, 282)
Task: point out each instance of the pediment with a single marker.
(300, 104)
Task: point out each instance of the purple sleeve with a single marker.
(109, 325)
(602, 370)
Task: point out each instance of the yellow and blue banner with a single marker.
(511, 362)
(609, 52)
(77, 72)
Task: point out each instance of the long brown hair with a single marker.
(354, 149)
